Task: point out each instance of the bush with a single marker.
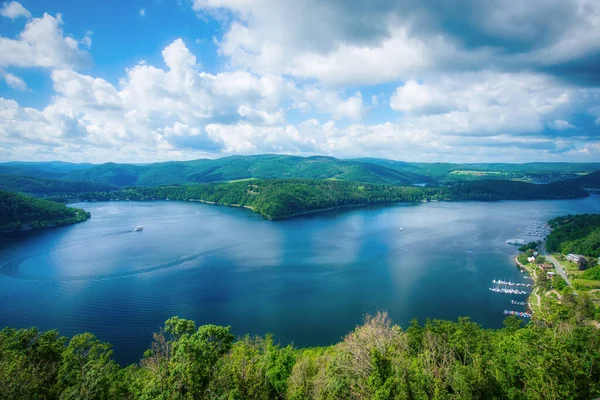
(558, 283)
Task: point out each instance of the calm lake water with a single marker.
(308, 280)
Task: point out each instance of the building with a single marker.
(530, 259)
(577, 259)
(546, 266)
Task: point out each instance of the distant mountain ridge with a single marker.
(267, 166)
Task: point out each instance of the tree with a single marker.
(87, 370)
(540, 259)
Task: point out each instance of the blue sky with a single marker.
(142, 81)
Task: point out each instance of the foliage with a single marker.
(530, 246)
(268, 166)
(540, 259)
(437, 360)
(578, 234)
(17, 212)
(522, 258)
(283, 198)
(592, 274)
(40, 187)
(558, 283)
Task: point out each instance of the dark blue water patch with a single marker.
(308, 280)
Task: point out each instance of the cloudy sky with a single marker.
(415, 80)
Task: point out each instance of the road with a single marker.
(557, 265)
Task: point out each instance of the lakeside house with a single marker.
(546, 266)
(530, 259)
(577, 259)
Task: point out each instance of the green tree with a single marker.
(87, 370)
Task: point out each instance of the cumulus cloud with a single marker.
(42, 43)
(416, 98)
(560, 125)
(489, 103)
(14, 10)
(180, 108)
(360, 42)
(14, 81)
(467, 81)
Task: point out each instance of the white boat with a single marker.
(138, 228)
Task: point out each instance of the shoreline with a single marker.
(532, 276)
(215, 203)
(317, 211)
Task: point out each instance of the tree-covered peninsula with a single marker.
(378, 360)
(284, 198)
(19, 212)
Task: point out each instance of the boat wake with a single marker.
(10, 269)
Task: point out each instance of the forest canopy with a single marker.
(18, 212)
(578, 234)
(378, 360)
(283, 198)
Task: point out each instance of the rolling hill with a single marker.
(266, 166)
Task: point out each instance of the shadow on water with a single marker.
(10, 269)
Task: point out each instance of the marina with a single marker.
(508, 283)
(508, 287)
(508, 291)
(518, 313)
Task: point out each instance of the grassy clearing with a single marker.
(242, 180)
(475, 173)
(587, 282)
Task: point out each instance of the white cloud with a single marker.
(417, 98)
(358, 42)
(560, 125)
(42, 43)
(14, 81)
(311, 98)
(487, 103)
(14, 10)
(142, 12)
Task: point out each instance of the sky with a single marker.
(414, 80)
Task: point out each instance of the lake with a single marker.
(307, 280)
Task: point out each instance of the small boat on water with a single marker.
(138, 228)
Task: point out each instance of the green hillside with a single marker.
(368, 170)
(51, 169)
(40, 187)
(241, 167)
(531, 172)
(283, 198)
(578, 234)
(23, 212)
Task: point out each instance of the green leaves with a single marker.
(87, 369)
(438, 360)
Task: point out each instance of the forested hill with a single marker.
(22, 212)
(578, 234)
(440, 360)
(281, 198)
(40, 187)
(270, 166)
(232, 168)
